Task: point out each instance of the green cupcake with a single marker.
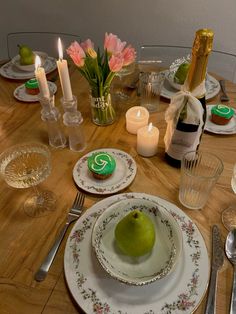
(32, 87)
(101, 164)
(221, 114)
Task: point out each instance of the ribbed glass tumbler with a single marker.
(199, 173)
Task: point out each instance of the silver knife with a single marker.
(217, 261)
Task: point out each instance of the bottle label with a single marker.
(182, 142)
(183, 135)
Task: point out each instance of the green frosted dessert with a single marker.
(101, 165)
(32, 87)
(221, 114)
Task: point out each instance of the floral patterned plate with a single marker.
(123, 175)
(145, 269)
(227, 129)
(212, 88)
(20, 93)
(10, 71)
(96, 292)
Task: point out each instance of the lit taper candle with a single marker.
(41, 78)
(64, 74)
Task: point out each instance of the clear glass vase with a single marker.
(103, 112)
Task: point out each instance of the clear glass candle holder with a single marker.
(56, 135)
(69, 105)
(73, 121)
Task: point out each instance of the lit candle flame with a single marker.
(37, 62)
(60, 50)
(150, 127)
(138, 114)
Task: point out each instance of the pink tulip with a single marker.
(113, 44)
(116, 63)
(129, 55)
(87, 44)
(76, 53)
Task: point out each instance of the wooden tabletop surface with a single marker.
(25, 241)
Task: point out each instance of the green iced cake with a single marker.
(101, 165)
(32, 87)
(221, 114)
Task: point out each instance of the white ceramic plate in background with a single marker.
(212, 88)
(10, 71)
(31, 67)
(227, 129)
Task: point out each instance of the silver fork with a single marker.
(74, 213)
(224, 96)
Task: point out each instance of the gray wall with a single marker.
(137, 22)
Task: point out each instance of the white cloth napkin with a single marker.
(194, 113)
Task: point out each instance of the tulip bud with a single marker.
(92, 53)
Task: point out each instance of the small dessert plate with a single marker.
(20, 93)
(153, 266)
(227, 129)
(122, 177)
(31, 67)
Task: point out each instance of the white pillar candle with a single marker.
(41, 78)
(136, 117)
(147, 140)
(64, 74)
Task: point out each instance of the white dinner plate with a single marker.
(227, 129)
(20, 93)
(10, 71)
(155, 265)
(96, 292)
(122, 177)
(212, 88)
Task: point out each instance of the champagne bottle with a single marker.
(186, 114)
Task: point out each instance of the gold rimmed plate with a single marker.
(93, 288)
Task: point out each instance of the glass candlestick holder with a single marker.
(73, 121)
(69, 105)
(56, 135)
(47, 103)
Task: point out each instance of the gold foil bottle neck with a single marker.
(203, 42)
(202, 47)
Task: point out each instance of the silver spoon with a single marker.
(230, 250)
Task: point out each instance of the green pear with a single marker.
(181, 73)
(135, 234)
(26, 55)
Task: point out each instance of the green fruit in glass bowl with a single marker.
(135, 234)
(181, 73)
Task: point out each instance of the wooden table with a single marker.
(25, 241)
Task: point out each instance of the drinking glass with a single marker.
(27, 165)
(150, 89)
(199, 173)
(229, 214)
(120, 90)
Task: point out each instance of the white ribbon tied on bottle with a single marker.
(194, 113)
